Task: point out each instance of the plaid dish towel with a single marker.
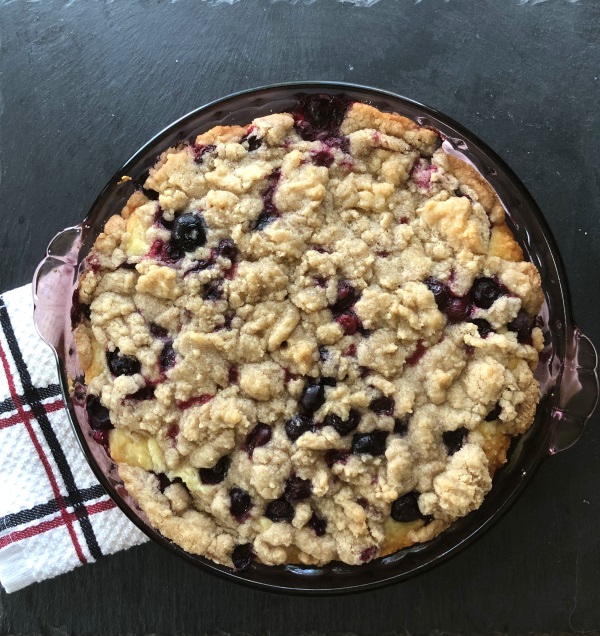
(54, 515)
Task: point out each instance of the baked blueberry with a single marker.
(259, 436)
(189, 232)
(167, 356)
(122, 365)
(441, 292)
(242, 556)
(494, 414)
(98, 415)
(522, 326)
(318, 524)
(349, 322)
(280, 510)
(313, 396)
(483, 326)
(297, 426)
(343, 427)
(484, 292)
(458, 309)
(297, 489)
(213, 290)
(199, 150)
(400, 426)
(369, 443)
(454, 440)
(217, 473)
(240, 503)
(227, 249)
(406, 508)
(334, 455)
(383, 405)
(346, 297)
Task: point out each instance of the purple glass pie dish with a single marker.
(567, 372)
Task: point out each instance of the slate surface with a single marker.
(84, 84)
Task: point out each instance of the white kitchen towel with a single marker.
(54, 515)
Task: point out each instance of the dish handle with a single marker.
(53, 287)
(578, 393)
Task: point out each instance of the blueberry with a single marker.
(417, 354)
(484, 292)
(406, 508)
(483, 326)
(199, 150)
(263, 219)
(297, 489)
(343, 143)
(319, 116)
(102, 438)
(172, 253)
(198, 266)
(522, 325)
(454, 440)
(313, 397)
(98, 415)
(269, 212)
(346, 297)
(400, 426)
(458, 309)
(382, 405)
(369, 443)
(233, 374)
(343, 427)
(254, 142)
(122, 365)
(213, 290)
(166, 359)
(317, 524)
(188, 232)
(165, 252)
(217, 473)
(441, 292)
(280, 510)
(240, 503)
(494, 414)
(164, 482)
(349, 322)
(323, 353)
(78, 309)
(322, 157)
(334, 455)
(145, 393)
(258, 436)
(227, 249)
(150, 193)
(298, 425)
(368, 553)
(242, 556)
(157, 331)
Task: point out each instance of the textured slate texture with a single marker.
(84, 83)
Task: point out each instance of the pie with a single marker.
(308, 339)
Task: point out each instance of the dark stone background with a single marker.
(84, 83)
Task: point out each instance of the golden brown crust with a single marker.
(503, 244)
(222, 135)
(468, 176)
(362, 116)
